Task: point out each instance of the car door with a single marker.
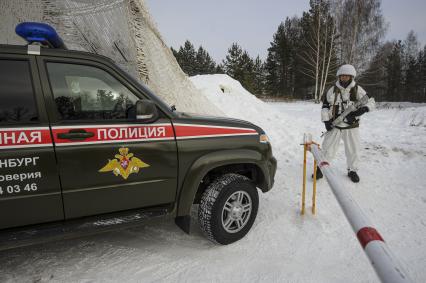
(30, 192)
(108, 161)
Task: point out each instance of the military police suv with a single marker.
(82, 140)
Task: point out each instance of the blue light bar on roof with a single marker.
(41, 33)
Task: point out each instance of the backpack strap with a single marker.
(353, 93)
(336, 91)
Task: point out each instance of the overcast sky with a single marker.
(251, 23)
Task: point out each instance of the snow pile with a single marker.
(232, 98)
(399, 105)
(409, 116)
(406, 113)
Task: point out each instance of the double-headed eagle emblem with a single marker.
(124, 164)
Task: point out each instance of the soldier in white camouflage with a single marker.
(338, 98)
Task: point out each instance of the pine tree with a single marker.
(412, 81)
(187, 58)
(239, 65)
(397, 73)
(232, 62)
(295, 80)
(422, 74)
(283, 64)
(204, 63)
(220, 69)
(394, 72)
(411, 66)
(274, 65)
(258, 77)
(375, 81)
(195, 63)
(247, 72)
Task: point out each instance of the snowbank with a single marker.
(235, 101)
(406, 113)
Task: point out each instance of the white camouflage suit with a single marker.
(350, 136)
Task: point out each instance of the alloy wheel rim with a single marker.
(236, 212)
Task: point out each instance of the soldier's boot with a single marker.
(353, 176)
(319, 174)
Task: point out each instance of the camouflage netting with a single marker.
(120, 29)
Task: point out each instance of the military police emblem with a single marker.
(124, 164)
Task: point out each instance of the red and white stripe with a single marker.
(99, 139)
(11, 138)
(382, 259)
(366, 235)
(152, 132)
(195, 131)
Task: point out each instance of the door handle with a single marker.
(75, 134)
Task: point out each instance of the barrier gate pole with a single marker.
(382, 259)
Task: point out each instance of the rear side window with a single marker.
(17, 102)
(88, 93)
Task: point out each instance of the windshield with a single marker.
(151, 94)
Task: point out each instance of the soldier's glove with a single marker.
(351, 118)
(328, 125)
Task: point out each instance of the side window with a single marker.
(89, 93)
(16, 92)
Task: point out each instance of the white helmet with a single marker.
(346, 70)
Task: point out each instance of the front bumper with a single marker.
(271, 170)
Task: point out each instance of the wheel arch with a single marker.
(204, 169)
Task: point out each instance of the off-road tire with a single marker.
(212, 206)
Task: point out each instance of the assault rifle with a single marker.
(362, 102)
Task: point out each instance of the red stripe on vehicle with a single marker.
(183, 131)
(116, 134)
(40, 136)
(29, 137)
(367, 234)
(131, 133)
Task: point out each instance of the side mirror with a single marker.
(146, 111)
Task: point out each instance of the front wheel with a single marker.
(228, 208)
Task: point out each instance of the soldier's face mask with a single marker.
(344, 78)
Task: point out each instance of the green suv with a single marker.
(81, 140)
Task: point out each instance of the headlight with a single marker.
(263, 138)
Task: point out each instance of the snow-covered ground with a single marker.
(282, 246)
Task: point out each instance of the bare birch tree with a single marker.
(320, 46)
(361, 26)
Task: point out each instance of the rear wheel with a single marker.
(228, 208)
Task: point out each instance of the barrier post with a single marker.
(314, 188)
(384, 262)
(305, 149)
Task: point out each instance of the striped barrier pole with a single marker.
(382, 259)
